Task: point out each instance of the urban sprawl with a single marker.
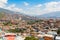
(19, 29)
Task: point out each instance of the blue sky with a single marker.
(31, 2)
(31, 7)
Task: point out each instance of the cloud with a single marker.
(13, 7)
(39, 5)
(26, 4)
(52, 6)
(3, 3)
(44, 8)
(38, 9)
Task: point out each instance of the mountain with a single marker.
(50, 15)
(11, 14)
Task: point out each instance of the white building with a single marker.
(57, 38)
(19, 38)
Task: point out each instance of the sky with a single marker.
(31, 7)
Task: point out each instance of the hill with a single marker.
(11, 14)
(50, 15)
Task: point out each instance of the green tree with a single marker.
(31, 22)
(58, 31)
(8, 23)
(31, 38)
(16, 30)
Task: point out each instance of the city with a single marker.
(29, 19)
(40, 28)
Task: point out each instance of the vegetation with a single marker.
(31, 38)
(8, 23)
(58, 31)
(31, 22)
(34, 21)
(16, 30)
(1, 15)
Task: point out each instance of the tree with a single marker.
(31, 22)
(31, 38)
(8, 23)
(16, 30)
(58, 31)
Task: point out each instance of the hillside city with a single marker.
(15, 25)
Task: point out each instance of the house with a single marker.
(9, 36)
(57, 38)
(48, 37)
(19, 38)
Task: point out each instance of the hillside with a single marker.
(7, 14)
(1, 15)
(50, 15)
